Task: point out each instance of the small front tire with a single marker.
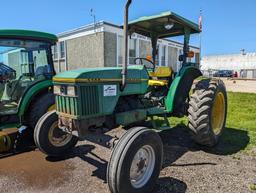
(136, 162)
(50, 139)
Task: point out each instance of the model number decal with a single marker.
(109, 90)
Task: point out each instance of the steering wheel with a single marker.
(149, 64)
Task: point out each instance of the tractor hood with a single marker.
(90, 75)
(166, 24)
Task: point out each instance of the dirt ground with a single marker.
(247, 86)
(187, 168)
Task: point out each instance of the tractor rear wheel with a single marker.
(207, 111)
(50, 139)
(136, 162)
(39, 107)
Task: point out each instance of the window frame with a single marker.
(62, 53)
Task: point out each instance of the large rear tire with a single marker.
(38, 108)
(50, 139)
(208, 111)
(136, 162)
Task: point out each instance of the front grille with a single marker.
(67, 105)
(86, 104)
(89, 100)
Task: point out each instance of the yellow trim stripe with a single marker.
(95, 80)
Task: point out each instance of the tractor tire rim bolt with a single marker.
(142, 166)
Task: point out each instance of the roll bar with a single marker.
(187, 26)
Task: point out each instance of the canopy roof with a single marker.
(28, 35)
(156, 24)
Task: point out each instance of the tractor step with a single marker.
(7, 139)
(14, 139)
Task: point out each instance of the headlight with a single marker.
(71, 91)
(56, 90)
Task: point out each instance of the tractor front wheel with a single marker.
(207, 111)
(50, 139)
(136, 162)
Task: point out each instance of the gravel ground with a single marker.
(247, 86)
(186, 169)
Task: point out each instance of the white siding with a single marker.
(229, 62)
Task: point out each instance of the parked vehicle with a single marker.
(235, 74)
(26, 71)
(90, 99)
(223, 73)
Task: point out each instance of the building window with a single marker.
(55, 52)
(179, 63)
(62, 50)
(132, 51)
(157, 55)
(120, 50)
(163, 56)
(197, 58)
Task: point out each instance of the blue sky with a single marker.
(228, 25)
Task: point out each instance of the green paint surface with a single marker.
(156, 24)
(8, 126)
(27, 34)
(30, 93)
(92, 100)
(177, 83)
(129, 117)
(171, 94)
(103, 73)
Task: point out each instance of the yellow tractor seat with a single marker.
(161, 72)
(157, 82)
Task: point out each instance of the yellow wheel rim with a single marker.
(218, 113)
(51, 108)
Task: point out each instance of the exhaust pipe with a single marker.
(125, 60)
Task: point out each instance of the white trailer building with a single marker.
(244, 63)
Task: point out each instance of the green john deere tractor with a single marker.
(90, 99)
(26, 71)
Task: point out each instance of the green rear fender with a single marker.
(179, 90)
(30, 93)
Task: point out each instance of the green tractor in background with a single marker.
(26, 71)
(88, 100)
